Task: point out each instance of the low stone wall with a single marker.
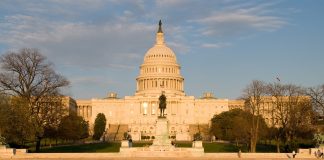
(6, 151)
(141, 154)
(147, 152)
(305, 151)
(10, 152)
(20, 151)
(65, 155)
(154, 152)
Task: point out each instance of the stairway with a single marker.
(199, 128)
(112, 132)
(116, 132)
(120, 133)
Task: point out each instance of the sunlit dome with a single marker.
(160, 52)
(160, 71)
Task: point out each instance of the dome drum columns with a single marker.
(160, 83)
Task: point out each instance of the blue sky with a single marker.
(221, 45)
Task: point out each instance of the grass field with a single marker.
(219, 147)
(94, 147)
(114, 147)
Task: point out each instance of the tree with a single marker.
(253, 94)
(292, 112)
(13, 112)
(4, 105)
(28, 75)
(84, 129)
(73, 127)
(235, 125)
(99, 126)
(317, 95)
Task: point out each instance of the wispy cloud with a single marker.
(240, 19)
(80, 43)
(215, 45)
(65, 27)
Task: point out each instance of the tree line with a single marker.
(291, 112)
(31, 101)
(32, 105)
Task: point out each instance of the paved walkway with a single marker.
(159, 158)
(101, 157)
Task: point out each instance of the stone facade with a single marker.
(159, 73)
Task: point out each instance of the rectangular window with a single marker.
(145, 105)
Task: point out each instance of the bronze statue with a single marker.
(160, 27)
(162, 104)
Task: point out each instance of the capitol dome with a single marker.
(160, 71)
(160, 53)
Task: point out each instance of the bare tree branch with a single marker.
(28, 75)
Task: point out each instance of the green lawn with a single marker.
(114, 147)
(183, 144)
(94, 147)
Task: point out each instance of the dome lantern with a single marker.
(160, 35)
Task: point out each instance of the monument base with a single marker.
(162, 146)
(162, 133)
(161, 152)
(125, 143)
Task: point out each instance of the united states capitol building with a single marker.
(137, 114)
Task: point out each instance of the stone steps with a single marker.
(116, 132)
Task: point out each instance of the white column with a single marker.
(144, 84)
(179, 87)
(182, 87)
(168, 84)
(140, 84)
(90, 111)
(147, 84)
(174, 84)
(86, 108)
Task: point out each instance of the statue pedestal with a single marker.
(162, 141)
(124, 143)
(162, 146)
(197, 144)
